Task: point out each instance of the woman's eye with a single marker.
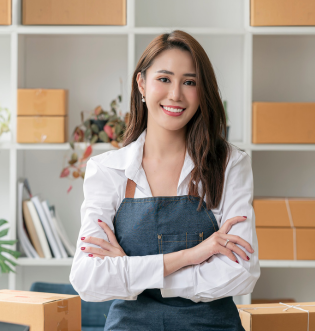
(162, 78)
(191, 81)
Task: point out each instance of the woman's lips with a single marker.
(170, 113)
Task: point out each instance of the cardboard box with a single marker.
(48, 102)
(282, 12)
(42, 129)
(74, 12)
(41, 311)
(286, 243)
(274, 212)
(278, 317)
(285, 228)
(5, 12)
(283, 123)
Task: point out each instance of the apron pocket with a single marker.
(169, 243)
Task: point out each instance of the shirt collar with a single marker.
(129, 158)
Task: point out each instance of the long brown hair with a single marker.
(205, 143)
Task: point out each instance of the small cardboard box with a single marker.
(74, 12)
(285, 228)
(283, 123)
(42, 129)
(5, 12)
(41, 311)
(46, 102)
(282, 12)
(278, 317)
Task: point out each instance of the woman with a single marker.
(165, 217)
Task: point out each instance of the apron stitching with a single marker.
(210, 218)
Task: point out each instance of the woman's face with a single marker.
(170, 89)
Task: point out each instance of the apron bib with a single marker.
(162, 225)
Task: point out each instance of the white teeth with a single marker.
(173, 110)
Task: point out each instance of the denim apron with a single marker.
(162, 225)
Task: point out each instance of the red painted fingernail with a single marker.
(247, 257)
(245, 216)
(82, 238)
(90, 255)
(236, 261)
(99, 220)
(82, 248)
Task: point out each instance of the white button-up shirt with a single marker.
(125, 277)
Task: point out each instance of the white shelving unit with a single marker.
(88, 60)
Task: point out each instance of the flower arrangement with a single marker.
(100, 126)
(5, 117)
(4, 266)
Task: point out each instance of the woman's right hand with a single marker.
(215, 244)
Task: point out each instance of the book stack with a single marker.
(39, 229)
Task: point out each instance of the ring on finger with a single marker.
(227, 240)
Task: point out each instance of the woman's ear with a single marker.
(140, 82)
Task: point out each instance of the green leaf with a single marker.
(103, 136)
(94, 139)
(4, 232)
(2, 221)
(119, 98)
(87, 133)
(10, 251)
(95, 128)
(87, 123)
(72, 145)
(8, 242)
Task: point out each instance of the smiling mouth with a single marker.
(173, 110)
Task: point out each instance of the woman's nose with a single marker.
(176, 92)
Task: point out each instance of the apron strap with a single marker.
(130, 189)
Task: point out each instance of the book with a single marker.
(24, 241)
(39, 229)
(54, 230)
(49, 233)
(31, 229)
(61, 231)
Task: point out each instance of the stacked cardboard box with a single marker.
(278, 316)
(41, 311)
(42, 116)
(78, 12)
(283, 123)
(5, 12)
(282, 12)
(285, 228)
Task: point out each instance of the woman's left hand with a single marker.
(111, 248)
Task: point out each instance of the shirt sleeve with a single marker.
(97, 279)
(219, 276)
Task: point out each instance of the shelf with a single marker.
(24, 261)
(282, 147)
(287, 263)
(263, 263)
(113, 30)
(108, 146)
(281, 30)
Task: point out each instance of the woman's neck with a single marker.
(161, 143)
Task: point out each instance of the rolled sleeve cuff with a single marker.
(146, 272)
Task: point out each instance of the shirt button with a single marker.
(159, 236)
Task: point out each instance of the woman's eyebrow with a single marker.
(172, 73)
